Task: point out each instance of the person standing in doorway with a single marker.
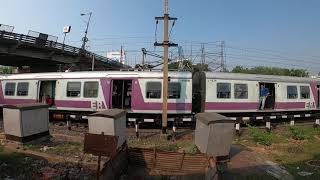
(264, 92)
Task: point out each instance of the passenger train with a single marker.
(77, 94)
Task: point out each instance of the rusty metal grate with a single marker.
(100, 145)
(173, 162)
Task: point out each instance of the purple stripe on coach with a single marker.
(73, 104)
(290, 105)
(19, 101)
(231, 105)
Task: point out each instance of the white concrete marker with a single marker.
(268, 125)
(292, 122)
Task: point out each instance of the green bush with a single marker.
(192, 149)
(1, 146)
(170, 147)
(298, 133)
(260, 136)
(316, 131)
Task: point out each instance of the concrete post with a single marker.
(174, 129)
(268, 124)
(292, 121)
(137, 129)
(69, 125)
(317, 123)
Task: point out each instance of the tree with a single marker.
(271, 71)
(6, 70)
(187, 65)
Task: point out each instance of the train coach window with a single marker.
(292, 92)
(240, 91)
(223, 90)
(10, 89)
(22, 89)
(90, 89)
(304, 92)
(73, 89)
(153, 90)
(174, 90)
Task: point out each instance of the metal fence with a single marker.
(41, 35)
(6, 28)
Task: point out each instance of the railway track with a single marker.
(78, 128)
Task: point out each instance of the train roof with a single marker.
(96, 74)
(258, 77)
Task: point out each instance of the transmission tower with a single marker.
(203, 57)
(180, 58)
(223, 63)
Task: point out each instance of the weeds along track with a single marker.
(78, 129)
(278, 123)
(147, 130)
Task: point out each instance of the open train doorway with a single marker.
(121, 94)
(47, 92)
(267, 95)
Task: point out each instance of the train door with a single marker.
(47, 92)
(268, 88)
(121, 94)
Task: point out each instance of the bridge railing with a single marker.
(34, 41)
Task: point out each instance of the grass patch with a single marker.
(170, 147)
(151, 142)
(9, 157)
(303, 132)
(67, 148)
(249, 176)
(17, 165)
(58, 148)
(260, 136)
(299, 133)
(289, 146)
(1, 148)
(181, 145)
(34, 147)
(192, 149)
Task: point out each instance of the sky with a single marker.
(280, 33)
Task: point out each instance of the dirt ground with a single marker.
(62, 156)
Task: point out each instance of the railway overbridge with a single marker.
(43, 55)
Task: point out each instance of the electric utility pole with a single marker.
(166, 44)
(85, 39)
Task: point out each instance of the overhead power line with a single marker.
(274, 63)
(272, 54)
(273, 58)
(278, 52)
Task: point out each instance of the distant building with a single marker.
(117, 56)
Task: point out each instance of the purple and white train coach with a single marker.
(76, 94)
(230, 92)
(79, 93)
